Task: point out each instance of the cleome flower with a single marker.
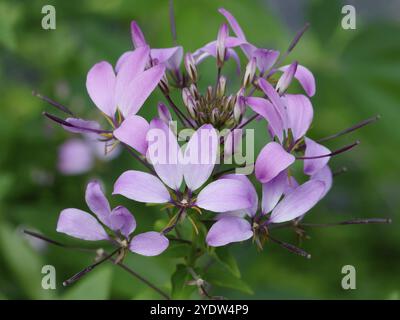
(116, 225)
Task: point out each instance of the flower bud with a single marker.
(189, 102)
(286, 78)
(250, 72)
(221, 49)
(164, 113)
(137, 35)
(221, 87)
(190, 66)
(239, 108)
(164, 84)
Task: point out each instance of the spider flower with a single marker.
(119, 221)
(193, 165)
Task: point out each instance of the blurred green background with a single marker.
(358, 76)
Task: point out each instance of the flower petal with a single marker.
(163, 153)
(312, 166)
(233, 23)
(324, 175)
(266, 109)
(122, 220)
(138, 90)
(200, 156)
(286, 78)
(133, 131)
(132, 65)
(305, 77)
(149, 243)
(97, 202)
(171, 57)
(225, 195)
(265, 58)
(300, 114)
(272, 192)
(100, 84)
(137, 35)
(74, 157)
(274, 97)
(228, 230)
(80, 224)
(142, 187)
(298, 202)
(250, 190)
(272, 160)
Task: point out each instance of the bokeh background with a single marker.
(358, 76)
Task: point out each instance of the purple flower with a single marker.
(119, 221)
(235, 228)
(193, 165)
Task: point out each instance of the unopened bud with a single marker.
(189, 102)
(286, 78)
(164, 84)
(164, 113)
(190, 66)
(194, 91)
(239, 108)
(250, 72)
(221, 87)
(223, 33)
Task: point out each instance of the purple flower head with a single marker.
(119, 221)
(175, 165)
(280, 204)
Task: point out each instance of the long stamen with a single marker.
(292, 248)
(349, 222)
(68, 124)
(53, 103)
(80, 274)
(351, 129)
(341, 150)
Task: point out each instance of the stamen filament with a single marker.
(292, 248)
(351, 129)
(341, 150)
(349, 222)
(53, 103)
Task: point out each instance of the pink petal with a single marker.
(225, 195)
(271, 161)
(171, 57)
(132, 66)
(313, 149)
(274, 97)
(80, 224)
(298, 202)
(286, 78)
(122, 220)
(265, 58)
(233, 23)
(163, 153)
(133, 132)
(137, 35)
(300, 114)
(200, 156)
(100, 84)
(228, 230)
(232, 141)
(272, 191)
(142, 187)
(305, 77)
(149, 244)
(324, 175)
(97, 201)
(265, 108)
(138, 90)
(250, 190)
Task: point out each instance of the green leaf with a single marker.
(217, 276)
(225, 257)
(23, 262)
(94, 286)
(180, 289)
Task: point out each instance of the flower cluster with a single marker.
(183, 168)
